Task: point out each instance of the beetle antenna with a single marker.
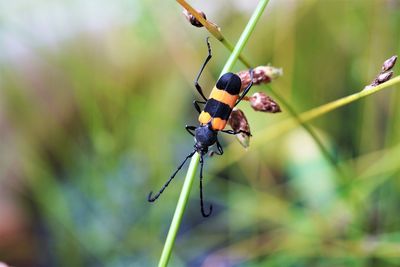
(152, 199)
(201, 190)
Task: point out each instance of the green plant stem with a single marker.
(180, 208)
(228, 45)
(245, 36)
(321, 110)
(283, 127)
(216, 32)
(184, 196)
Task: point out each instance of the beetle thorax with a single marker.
(204, 137)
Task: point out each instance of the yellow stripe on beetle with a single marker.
(224, 97)
(204, 117)
(217, 124)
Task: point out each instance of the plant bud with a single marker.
(386, 73)
(261, 74)
(384, 77)
(389, 63)
(261, 102)
(192, 19)
(239, 124)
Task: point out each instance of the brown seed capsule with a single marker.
(239, 123)
(386, 73)
(261, 74)
(389, 63)
(384, 77)
(261, 102)
(192, 19)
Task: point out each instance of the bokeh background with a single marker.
(93, 102)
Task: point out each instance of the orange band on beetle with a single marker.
(218, 124)
(224, 97)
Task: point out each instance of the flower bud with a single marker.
(384, 77)
(192, 19)
(261, 102)
(261, 74)
(239, 124)
(389, 63)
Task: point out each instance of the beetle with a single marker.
(212, 119)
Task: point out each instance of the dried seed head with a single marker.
(386, 73)
(389, 63)
(261, 74)
(239, 124)
(192, 19)
(261, 102)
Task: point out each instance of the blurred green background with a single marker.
(94, 99)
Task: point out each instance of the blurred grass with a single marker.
(92, 115)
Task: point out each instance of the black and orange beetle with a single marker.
(212, 120)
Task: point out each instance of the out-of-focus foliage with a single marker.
(93, 102)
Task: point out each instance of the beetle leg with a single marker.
(196, 81)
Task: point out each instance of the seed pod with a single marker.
(386, 73)
(389, 63)
(239, 124)
(261, 102)
(384, 77)
(192, 19)
(261, 74)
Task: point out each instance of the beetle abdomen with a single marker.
(217, 112)
(222, 99)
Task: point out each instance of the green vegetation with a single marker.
(92, 113)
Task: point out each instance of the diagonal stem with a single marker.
(212, 28)
(180, 208)
(184, 196)
(216, 32)
(267, 134)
